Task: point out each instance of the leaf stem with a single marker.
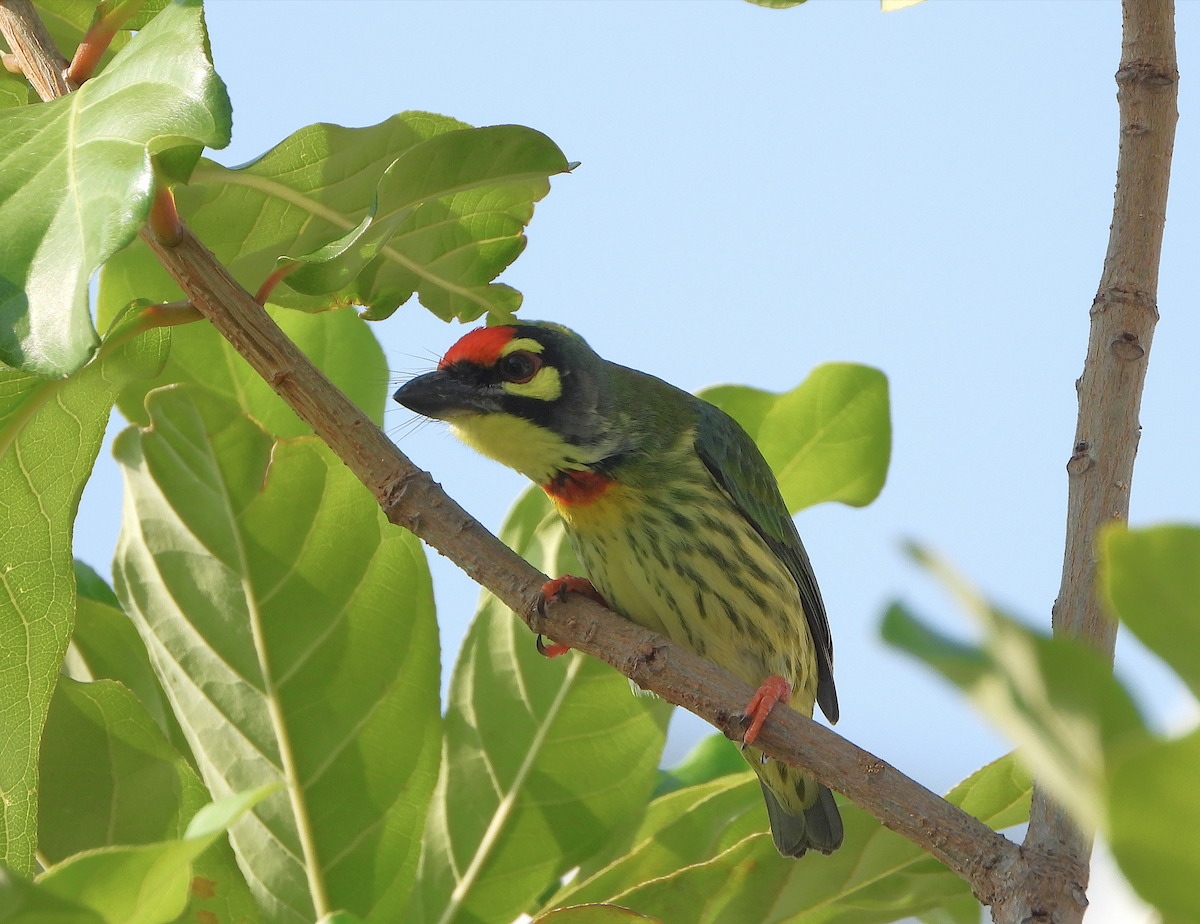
(283, 736)
(168, 314)
(504, 809)
(277, 276)
(99, 36)
(164, 220)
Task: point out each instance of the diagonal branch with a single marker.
(411, 499)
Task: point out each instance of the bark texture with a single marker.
(1100, 469)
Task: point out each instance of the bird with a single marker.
(674, 515)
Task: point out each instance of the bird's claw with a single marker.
(553, 650)
(773, 690)
(558, 589)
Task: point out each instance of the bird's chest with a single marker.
(685, 563)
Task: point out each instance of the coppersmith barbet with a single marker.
(673, 513)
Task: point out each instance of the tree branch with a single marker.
(36, 52)
(410, 498)
(996, 869)
(1123, 316)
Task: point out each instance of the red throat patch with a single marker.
(481, 347)
(577, 489)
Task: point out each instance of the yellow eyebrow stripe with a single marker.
(521, 343)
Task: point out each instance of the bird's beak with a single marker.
(443, 396)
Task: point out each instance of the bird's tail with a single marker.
(805, 817)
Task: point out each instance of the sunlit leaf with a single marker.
(1154, 819)
(145, 884)
(338, 342)
(963, 910)
(108, 777)
(548, 763)
(78, 181)
(714, 757)
(293, 628)
(684, 827)
(594, 914)
(50, 433)
(68, 21)
(1152, 577)
(15, 90)
(22, 902)
(1055, 697)
(106, 646)
(451, 164)
(828, 439)
(704, 854)
(476, 193)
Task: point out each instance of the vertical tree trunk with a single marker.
(1100, 468)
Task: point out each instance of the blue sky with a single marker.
(927, 191)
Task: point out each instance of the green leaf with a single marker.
(998, 794)
(293, 628)
(468, 198)
(106, 645)
(145, 884)
(90, 585)
(1055, 697)
(15, 90)
(593, 914)
(69, 20)
(703, 854)
(713, 757)
(1152, 577)
(962, 910)
(337, 263)
(88, 181)
(548, 763)
(776, 4)
(50, 433)
(451, 164)
(22, 902)
(338, 342)
(1154, 821)
(108, 775)
(828, 439)
(684, 827)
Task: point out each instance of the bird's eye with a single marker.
(518, 367)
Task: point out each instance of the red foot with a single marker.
(553, 650)
(773, 690)
(559, 588)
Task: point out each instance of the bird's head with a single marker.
(532, 396)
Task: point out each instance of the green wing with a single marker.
(735, 462)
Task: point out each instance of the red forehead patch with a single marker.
(480, 346)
